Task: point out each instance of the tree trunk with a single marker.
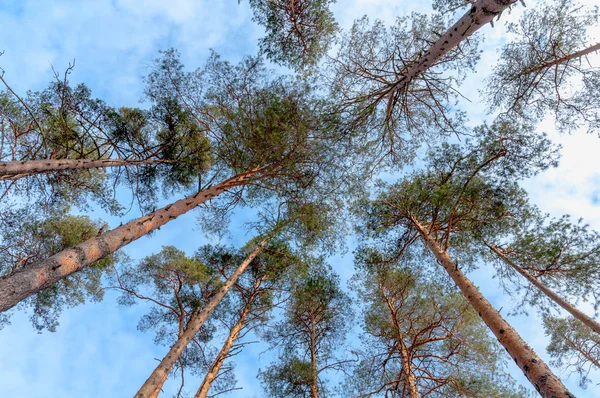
(314, 388)
(481, 13)
(155, 380)
(42, 275)
(19, 169)
(588, 321)
(534, 368)
(562, 60)
(410, 383)
(585, 354)
(218, 362)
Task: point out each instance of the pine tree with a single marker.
(421, 338)
(177, 287)
(536, 72)
(314, 325)
(284, 149)
(573, 346)
(464, 193)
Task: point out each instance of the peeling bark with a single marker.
(534, 368)
(26, 282)
(156, 379)
(20, 169)
(588, 321)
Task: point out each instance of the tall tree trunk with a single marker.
(44, 274)
(591, 323)
(534, 368)
(156, 379)
(562, 60)
(20, 169)
(233, 336)
(481, 13)
(314, 387)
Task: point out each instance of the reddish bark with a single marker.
(534, 368)
(158, 376)
(588, 321)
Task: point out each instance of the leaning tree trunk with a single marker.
(20, 169)
(231, 339)
(534, 368)
(156, 379)
(42, 275)
(585, 354)
(588, 321)
(562, 60)
(481, 13)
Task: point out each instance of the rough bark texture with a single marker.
(31, 280)
(481, 13)
(16, 170)
(534, 368)
(157, 377)
(591, 323)
(220, 359)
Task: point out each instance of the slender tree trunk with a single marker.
(155, 380)
(220, 359)
(314, 388)
(534, 368)
(410, 382)
(481, 13)
(19, 169)
(562, 60)
(582, 352)
(42, 275)
(406, 366)
(588, 321)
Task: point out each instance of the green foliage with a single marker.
(313, 328)
(447, 346)
(573, 346)
(176, 286)
(299, 32)
(528, 81)
(562, 254)
(466, 192)
(29, 235)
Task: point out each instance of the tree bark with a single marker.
(220, 359)
(154, 382)
(20, 169)
(481, 13)
(42, 275)
(404, 356)
(534, 368)
(588, 321)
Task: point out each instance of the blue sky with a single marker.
(97, 350)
